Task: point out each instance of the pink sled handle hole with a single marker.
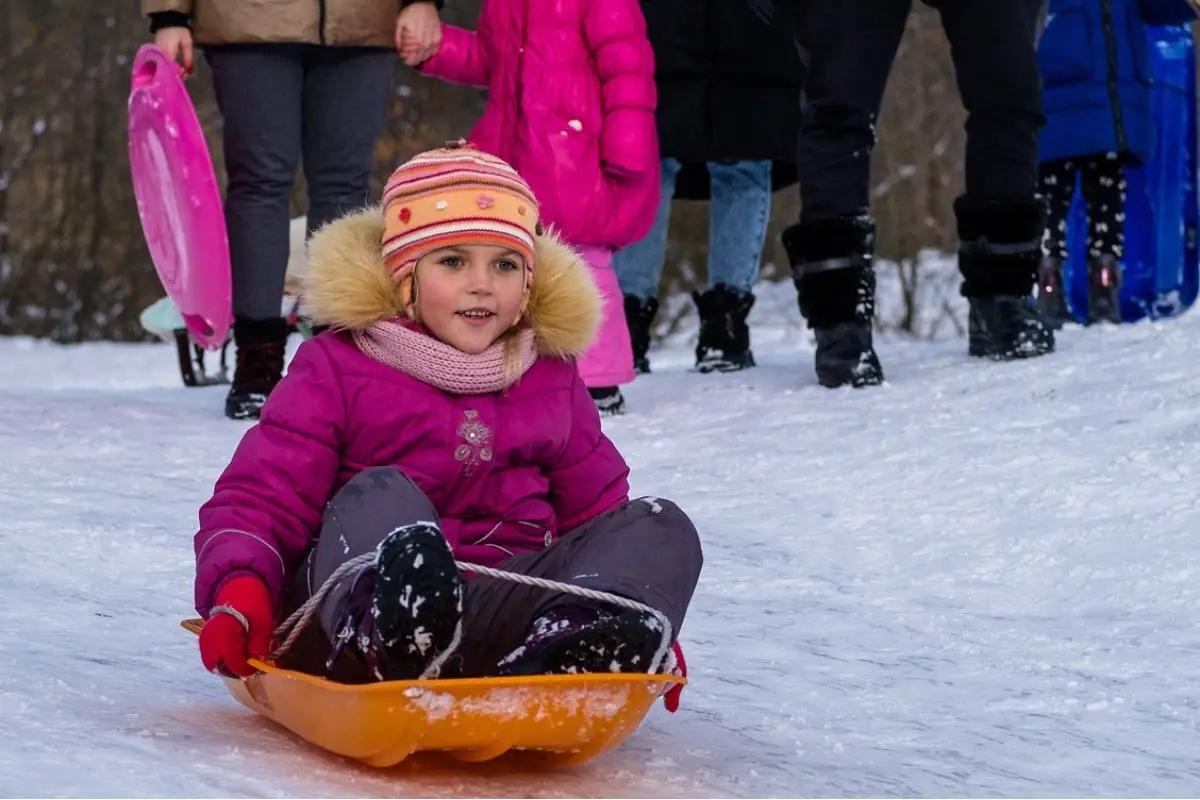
(145, 74)
(197, 323)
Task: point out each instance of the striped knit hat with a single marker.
(455, 195)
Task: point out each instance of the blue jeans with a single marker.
(737, 229)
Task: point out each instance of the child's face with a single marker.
(469, 295)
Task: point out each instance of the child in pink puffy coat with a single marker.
(571, 101)
(438, 428)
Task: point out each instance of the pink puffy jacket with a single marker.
(571, 101)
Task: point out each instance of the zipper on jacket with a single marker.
(321, 21)
(1114, 96)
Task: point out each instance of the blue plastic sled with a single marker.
(1161, 273)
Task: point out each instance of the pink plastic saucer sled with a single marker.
(178, 199)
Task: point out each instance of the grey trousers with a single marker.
(281, 102)
(647, 550)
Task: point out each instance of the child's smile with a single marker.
(476, 316)
(468, 295)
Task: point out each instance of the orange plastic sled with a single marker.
(571, 718)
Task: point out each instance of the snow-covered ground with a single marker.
(979, 580)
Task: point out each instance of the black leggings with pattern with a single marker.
(1103, 183)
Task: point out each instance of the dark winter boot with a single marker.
(724, 344)
(1052, 295)
(574, 640)
(261, 345)
(999, 253)
(835, 285)
(609, 400)
(1104, 290)
(639, 316)
(404, 611)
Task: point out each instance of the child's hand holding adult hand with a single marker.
(418, 33)
(176, 44)
(410, 49)
(239, 628)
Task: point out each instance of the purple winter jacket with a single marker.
(339, 411)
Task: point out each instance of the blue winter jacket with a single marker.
(1096, 75)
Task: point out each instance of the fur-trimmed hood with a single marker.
(346, 285)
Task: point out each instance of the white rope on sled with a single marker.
(291, 627)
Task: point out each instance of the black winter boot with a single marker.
(835, 285)
(608, 399)
(418, 600)
(639, 316)
(403, 614)
(724, 344)
(1052, 294)
(1104, 290)
(261, 346)
(575, 640)
(999, 253)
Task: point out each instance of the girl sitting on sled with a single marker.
(441, 417)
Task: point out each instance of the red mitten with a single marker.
(227, 641)
(671, 697)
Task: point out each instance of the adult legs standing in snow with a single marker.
(848, 49)
(738, 215)
(728, 78)
(647, 551)
(279, 101)
(1001, 220)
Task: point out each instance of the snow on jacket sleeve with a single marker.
(267, 505)
(616, 33)
(461, 58)
(588, 477)
(1168, 12)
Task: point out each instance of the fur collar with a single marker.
(346, 285)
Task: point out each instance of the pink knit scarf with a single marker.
(399, 343)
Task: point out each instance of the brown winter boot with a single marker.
(261, 345)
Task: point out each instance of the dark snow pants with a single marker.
(281, 103)
(848, 47)
(1102, 178)
(647, 550)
